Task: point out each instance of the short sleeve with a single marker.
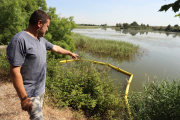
(48, 44)
(16, 52)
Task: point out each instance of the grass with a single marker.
(160, 100)
(112, 48)
(87, 27)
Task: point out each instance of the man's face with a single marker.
(43, 28)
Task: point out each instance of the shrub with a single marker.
(4, 65)
(83, 86)
(159, 101)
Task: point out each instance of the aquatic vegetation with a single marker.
(160, 100)
(105, 47)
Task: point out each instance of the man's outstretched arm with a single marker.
(60, 50)
(17, 80)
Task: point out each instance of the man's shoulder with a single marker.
(19, 35)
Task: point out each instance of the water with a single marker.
(162, 58)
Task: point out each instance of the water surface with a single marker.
(161, 61)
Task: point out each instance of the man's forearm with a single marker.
(16, 77)
(60, 50)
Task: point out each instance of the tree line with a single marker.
(135, 25)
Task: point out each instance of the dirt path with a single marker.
(10, 108)
(2, 47)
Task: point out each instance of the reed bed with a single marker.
(160, 100)
(87, 27)
(105, 47)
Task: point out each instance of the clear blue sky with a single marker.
(116, 11)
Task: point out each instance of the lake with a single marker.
(160, 60)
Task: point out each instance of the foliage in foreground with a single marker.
(175, 7)
(4, 64)
(105, 47)
(159, 101)
(83, 86)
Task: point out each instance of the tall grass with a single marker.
(105, 47)
(88, 27)
(159, 101)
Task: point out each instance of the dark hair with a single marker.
(39, 15)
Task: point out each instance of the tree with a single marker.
(14, 17)
(125, 25)
(142, 24)
(176, 26)
(60, 31)
(117, 25)
(168, 27)
(175, 7)
(134, 24)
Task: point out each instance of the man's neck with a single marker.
(32, 31)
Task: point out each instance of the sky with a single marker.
(111, 12)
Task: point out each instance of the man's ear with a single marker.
(39, 23)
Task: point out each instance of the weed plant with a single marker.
(4, 65)
(84, 87)
(159, 101)
(105, 47)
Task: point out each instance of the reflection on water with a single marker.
(145, 32)
(163, 54)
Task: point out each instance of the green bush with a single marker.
(4, 66)
(83, 86)
(159, 101)
(14, 17)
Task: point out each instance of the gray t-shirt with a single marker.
(26, 51)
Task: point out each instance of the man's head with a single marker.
(41, 20)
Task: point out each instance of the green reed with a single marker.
(88, 27)
(105, 47)
(158, 101)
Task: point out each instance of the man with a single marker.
(26, 53)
